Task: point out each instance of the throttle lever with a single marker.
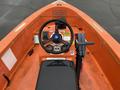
(81, 44)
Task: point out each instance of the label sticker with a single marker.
(36, 39)
(72, 52)
(66, 38)
(9, 59)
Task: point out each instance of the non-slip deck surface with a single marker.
(105, 12)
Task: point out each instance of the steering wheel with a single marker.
(55, 44)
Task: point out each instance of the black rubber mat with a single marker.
(57, 75)
(105, 12)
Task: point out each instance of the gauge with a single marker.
(57, 48)
(49, 47)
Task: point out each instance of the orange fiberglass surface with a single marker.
(20, 57)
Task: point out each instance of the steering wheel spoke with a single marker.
(56, 29)
(48, 42)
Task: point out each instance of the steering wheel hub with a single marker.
(57, 38)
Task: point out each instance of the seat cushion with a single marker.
(57, 75)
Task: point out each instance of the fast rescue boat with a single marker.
(59, 47)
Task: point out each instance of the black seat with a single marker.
(57, 75)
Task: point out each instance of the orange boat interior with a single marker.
(100, 65)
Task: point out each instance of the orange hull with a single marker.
(101, 65)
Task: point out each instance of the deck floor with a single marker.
(91, 77)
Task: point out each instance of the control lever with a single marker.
(81, 44)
